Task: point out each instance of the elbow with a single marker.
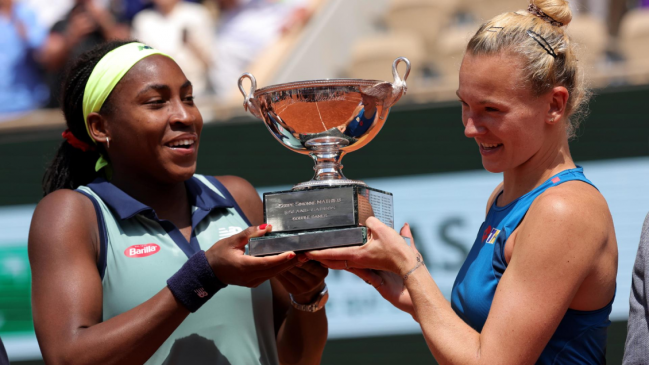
(59, 358)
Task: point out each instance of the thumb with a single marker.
(374, 224)
(241, 239)
(406, 233)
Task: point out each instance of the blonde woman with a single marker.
(539, 281)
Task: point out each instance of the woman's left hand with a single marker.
(386, 250)
(304, 281)
(390, 286)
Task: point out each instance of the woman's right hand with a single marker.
(231, 265)
(385, 250)
(388, 284)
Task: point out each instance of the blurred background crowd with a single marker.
(214, 41)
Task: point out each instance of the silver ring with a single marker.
(346, 267)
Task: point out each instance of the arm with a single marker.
(67, 292)
(635, 350)
(63, 37)
(556, 249)
(389, 284)
(301, 336)
(67, 289)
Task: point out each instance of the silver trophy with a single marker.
(324, 119)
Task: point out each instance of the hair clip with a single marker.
(533, 9)
(542, 42)
(495, 29)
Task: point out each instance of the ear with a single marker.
(98, 127)
(558, 104)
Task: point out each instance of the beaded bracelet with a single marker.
(420, 262)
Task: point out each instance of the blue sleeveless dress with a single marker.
(581, 335)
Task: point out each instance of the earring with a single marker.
(552, 120)
(107, 142)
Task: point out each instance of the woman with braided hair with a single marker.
(135, 258)
(538, 284)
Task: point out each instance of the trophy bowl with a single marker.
(325, 118)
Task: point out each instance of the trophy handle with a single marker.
(248, 98)
(398, 81)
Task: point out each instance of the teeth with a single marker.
(182, 142)
(486, 145)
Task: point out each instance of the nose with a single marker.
(180, 114)
(473, 128)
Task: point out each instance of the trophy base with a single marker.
(276, 243)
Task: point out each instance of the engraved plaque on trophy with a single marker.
(324, 119)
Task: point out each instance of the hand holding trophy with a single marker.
(324, 119)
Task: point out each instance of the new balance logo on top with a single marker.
(493, 235)
(230, 231)
(200, 292)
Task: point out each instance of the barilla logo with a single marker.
(491, 238)
(142, 250)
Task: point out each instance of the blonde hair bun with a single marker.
(557, 10)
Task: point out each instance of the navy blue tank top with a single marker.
(581, 335)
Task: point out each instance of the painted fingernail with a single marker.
(291, 255)
(263, 226)
(302, 258)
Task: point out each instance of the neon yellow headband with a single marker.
(106, 74)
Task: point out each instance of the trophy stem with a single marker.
(326, 153)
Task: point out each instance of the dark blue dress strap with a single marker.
(214, 181)
(103, 235)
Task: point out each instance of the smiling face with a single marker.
(153, 124)
(508, 122)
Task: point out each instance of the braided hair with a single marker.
(71, 166)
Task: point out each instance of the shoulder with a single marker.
(245, 195)
(643, 247)
(573, 200)
(63, 217)
(144, 16)
(572, 212)
(237, 186)
(644, 238)
(61, 204)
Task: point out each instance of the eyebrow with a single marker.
(157, 87)
(161, 87)
(482, 102)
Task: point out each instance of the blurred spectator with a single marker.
(49, 12)
(86, 25)
(597, 8)
(128, 9)
(184, 31)
(617, 10)
(21, 88)
(246, 28)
